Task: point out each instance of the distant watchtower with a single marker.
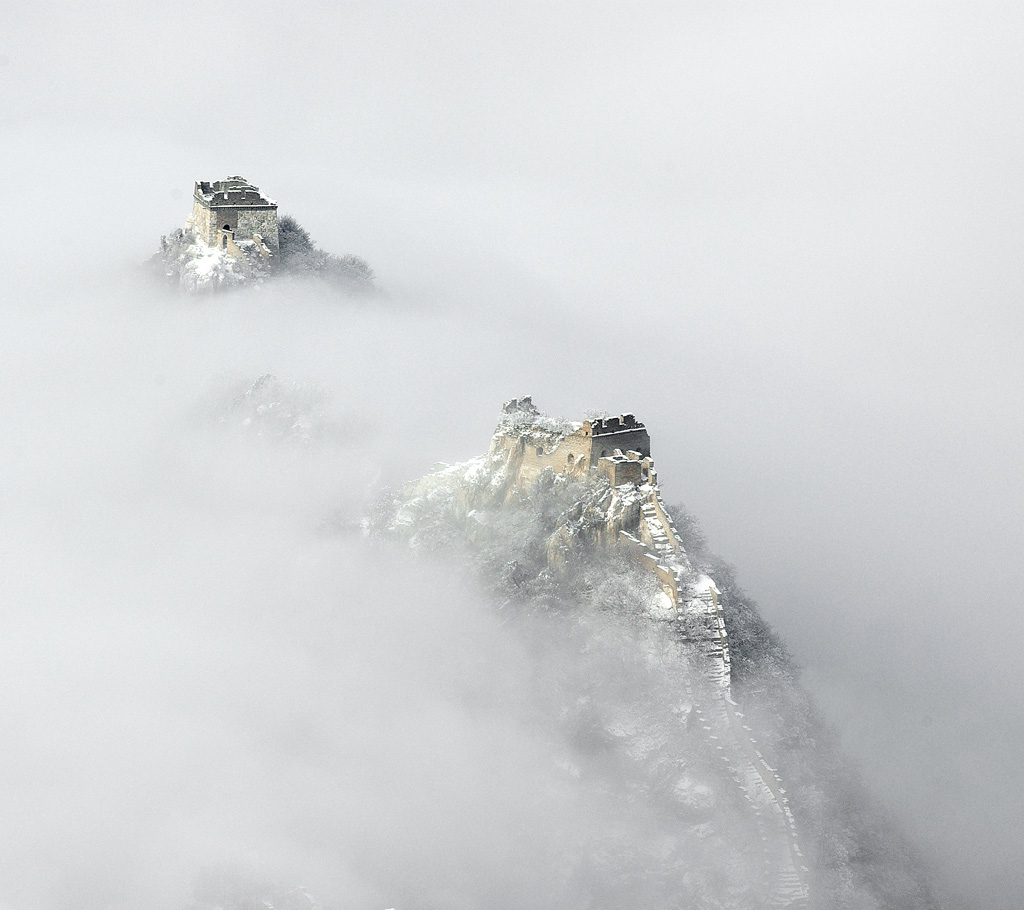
(232, 211)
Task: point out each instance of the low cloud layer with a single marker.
(787, 241)
(210, 666)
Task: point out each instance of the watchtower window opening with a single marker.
(540, 451)
(604, 452)
(568, 458)
(227, 227)
(224, 242)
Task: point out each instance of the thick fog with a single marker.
(789, 239)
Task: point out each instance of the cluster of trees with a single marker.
(275, 411)
(301, 256)
(184, 263)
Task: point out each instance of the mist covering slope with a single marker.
(621, 688)
(212, 668)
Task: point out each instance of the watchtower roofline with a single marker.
(232, 192)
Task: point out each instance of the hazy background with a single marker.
(786, 238)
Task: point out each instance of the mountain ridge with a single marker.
(574, 532)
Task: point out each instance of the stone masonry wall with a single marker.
(529, 454)
(202, 223)
(619, 469)
(636, 440)
(577, 452)
(206, 223)
(258, 221)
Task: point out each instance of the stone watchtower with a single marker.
(226, 213)
(619, 447)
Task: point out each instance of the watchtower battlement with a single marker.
(602, 426)
(624, 432)
(232, 211)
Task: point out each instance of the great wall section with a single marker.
(699, 617)
(632, 516)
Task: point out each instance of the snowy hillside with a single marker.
(631, 697)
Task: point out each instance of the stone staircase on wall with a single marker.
(693, 606)
(701, 621)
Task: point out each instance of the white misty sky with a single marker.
(787, 237)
